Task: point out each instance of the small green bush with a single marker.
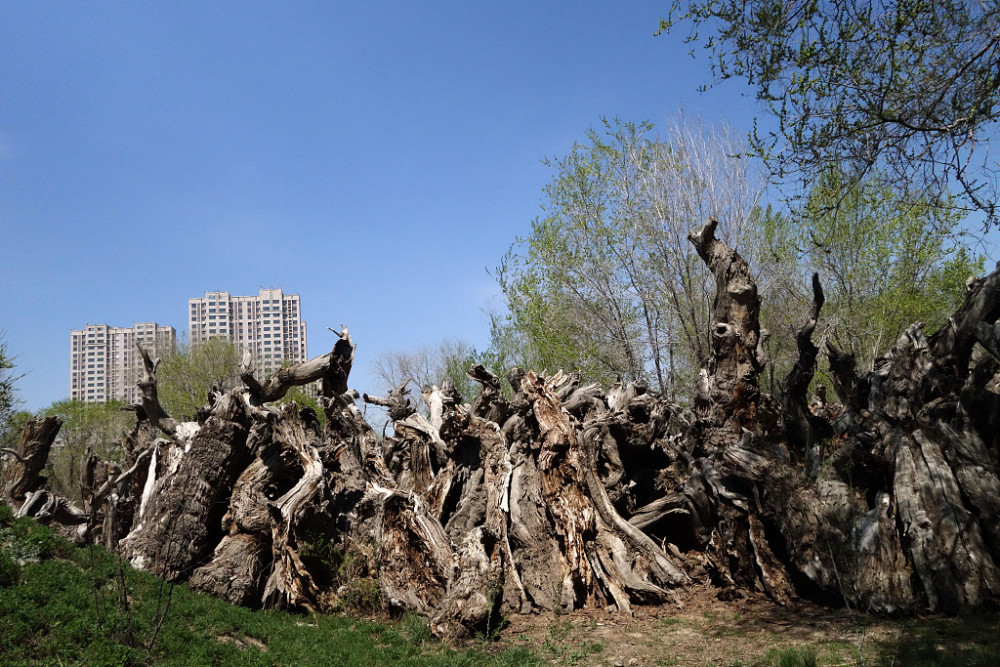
(6, 515)
(792, 657)
(9, 570)
(363, 596)
(27, 540)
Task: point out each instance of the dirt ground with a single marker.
(704, 630)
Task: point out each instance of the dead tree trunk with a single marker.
(33, 451)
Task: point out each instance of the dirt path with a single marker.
(707, 631)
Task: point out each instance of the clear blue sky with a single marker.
(374, 157)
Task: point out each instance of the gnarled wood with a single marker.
(32, 453)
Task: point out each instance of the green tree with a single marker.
(607, 283)
(186, 377)
(882, 267)
(8, 398)
(909, 88)
(97, 428)
(10, 435)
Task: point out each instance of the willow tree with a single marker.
(883, 267)
(607, 283)
(908, 87)
(187, 376)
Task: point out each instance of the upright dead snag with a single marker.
(728, 390)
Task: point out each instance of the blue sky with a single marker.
(375, 158)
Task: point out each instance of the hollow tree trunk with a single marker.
(24, 476)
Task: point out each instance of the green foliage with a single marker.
(8, 398)
(791, 657)
(84, 607)
(882, 266)
(564, 283)
(607, 282)
(301, 397)
(10, 432)
(908, 87)
(26, 540)
(9, 570)
(495, 620)
(351, 572)
(185, 378)
(94, 428)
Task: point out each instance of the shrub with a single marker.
(9, 571)
(27, 540)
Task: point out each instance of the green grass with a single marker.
(61, 605)
(792, 657)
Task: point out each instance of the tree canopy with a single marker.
(8, 400)
(187, 376)
(882, 267)
(448, 361)
(907, 87)
(607, 283)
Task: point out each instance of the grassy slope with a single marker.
(63, 605)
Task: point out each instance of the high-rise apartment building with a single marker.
(269, 325)
(105, 364)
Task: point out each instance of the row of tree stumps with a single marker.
(559, 496)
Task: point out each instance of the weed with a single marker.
(26, 540)
(495, 620)
(415, 626)
(559, 631)
(9, 570)
(792, 657)
(583, 650)
(363, 595)
(6, 515)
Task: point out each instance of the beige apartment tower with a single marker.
(268, 325)
(104, 362)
